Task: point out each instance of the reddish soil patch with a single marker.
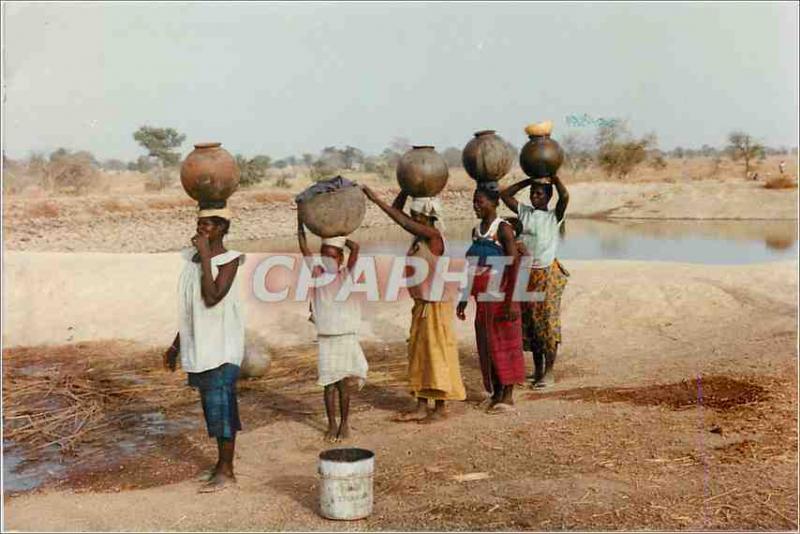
(720, 393)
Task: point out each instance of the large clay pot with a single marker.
(487, 157)
(209, 174)
(335, 213)
(541, 157)
(422, 172)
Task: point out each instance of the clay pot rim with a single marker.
(484, 132)
(208, 144)
(422, 147)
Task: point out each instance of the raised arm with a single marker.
(407, 223)
(508, 194)
(400, 200)
(353, 258)
(563, 198)
(301, 235)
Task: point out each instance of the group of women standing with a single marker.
(503, 329)
(210, 341)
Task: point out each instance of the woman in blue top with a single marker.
(498, 328)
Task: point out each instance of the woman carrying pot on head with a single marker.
(498, 328)
(433, 366)
(541, 227)
(210, 339)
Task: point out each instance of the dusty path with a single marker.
(713, 448)
(164, 222)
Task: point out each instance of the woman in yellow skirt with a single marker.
(433, 366)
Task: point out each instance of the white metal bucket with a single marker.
(346, 483)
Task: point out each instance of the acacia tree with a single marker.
(618, 153)
(160, 144)
(743, 146)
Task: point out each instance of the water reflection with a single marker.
(712, 242)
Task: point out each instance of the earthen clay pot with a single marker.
(209, 173)
(541, 157)
(487, 157)
(422, 172)
(335, 213)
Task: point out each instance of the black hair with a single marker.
(490, 190)
(223, 223)
(548, 188)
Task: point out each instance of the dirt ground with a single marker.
(675, 409)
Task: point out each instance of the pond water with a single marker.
(707, 242)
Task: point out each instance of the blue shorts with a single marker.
(218, 395)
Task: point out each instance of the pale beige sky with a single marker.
(280, 79)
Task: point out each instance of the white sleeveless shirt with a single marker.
(210, 336)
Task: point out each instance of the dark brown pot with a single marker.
(487, 157)
(335, 213)
(422, 172)
(209, 173)
(541, 157)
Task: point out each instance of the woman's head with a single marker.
(486, 199)
(332, 248)
(540, 195)
(213, 227)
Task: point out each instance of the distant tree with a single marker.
(160, 143)
(252, 171)
(400, 145)
(280, 164)
(742, 146)
(308, 159)
(678, 152)
(352, 156)
(618, 153)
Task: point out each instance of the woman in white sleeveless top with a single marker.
(210, 339)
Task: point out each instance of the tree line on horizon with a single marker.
(612, 148)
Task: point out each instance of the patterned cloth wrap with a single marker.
(499, 340)
(541, 320)
(218, 395)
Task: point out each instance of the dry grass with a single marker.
(780, 182)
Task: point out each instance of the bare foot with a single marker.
(486, 403)
(500, 408)
(434, 416)
(207, 475)
(344, 431)
(412, 415)
(332, 435)
(219, 482)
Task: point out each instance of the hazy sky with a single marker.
(288, 78)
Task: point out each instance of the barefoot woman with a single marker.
(433, 367)
(211, 336)
(341, 364)
(498, 328)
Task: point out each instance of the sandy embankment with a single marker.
(629, 324)
(61, 298)
(159, 223)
